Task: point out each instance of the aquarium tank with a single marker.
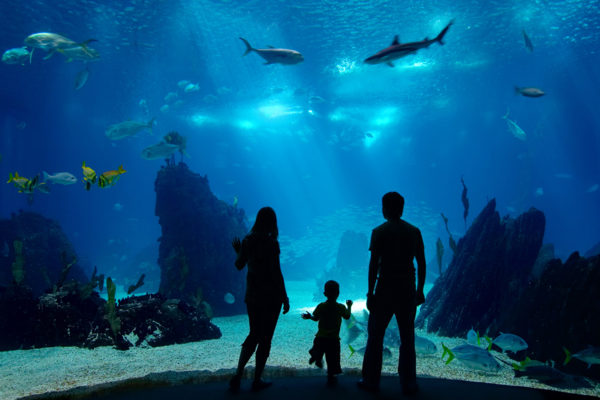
(138, 138)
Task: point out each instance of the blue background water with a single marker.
(322, 163)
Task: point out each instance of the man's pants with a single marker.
(383, 309)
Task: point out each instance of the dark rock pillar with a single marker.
(490, 268)
(195, 254)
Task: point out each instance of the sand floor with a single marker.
(29, 372)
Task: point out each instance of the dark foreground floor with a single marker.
(314, 388)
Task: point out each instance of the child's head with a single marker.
(332, 290)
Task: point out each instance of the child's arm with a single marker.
(348, 311)
(308, 315)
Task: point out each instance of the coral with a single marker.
(18, 266)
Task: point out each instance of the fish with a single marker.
(473, 357)
(548, 375)
(111, 177)
(89, 176)
(353, 330)
(23, 184)
(79, 53)
(229, 298)
(52, 42)
(16, 56)
(170, 97)
(473, 338)
(160, 150)
(183, 83)
(386, 352)
(424, 346)
(465, 201)
(275, 56)
(61, 178)
(128, 128)
(81, 78)
(529, 91)
(510, 342)
(398, 50)
(528, 43)
(117, 206)
(191, 87)
(439, 247)
(590, 356)
(539, 192)
(593, 188)
(514, 128)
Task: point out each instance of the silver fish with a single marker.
(16, 56)
(514, 128)
(61, 178)
(510, 342)
(529, 91)
(160, 150)
(473, 357)
(398, 50)
(127, 128)
(275, 56)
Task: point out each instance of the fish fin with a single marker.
(505, 116)
(50, 54)
(449, 352)
(84, 46)
(517, 90)
(568, 356)
(31, 55)
(389, 63)
(271, 47)
(440, 38)
(268, 63)
(248, 47)
(10, 177)
(478, 338)
(45, 175)
(352, 351)
(489, 340)
(395, 41)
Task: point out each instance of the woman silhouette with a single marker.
(265, 293)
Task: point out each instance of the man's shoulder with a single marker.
(410, 226)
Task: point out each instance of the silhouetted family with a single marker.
(393, 290)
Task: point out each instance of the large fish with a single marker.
(161, 150)
(16, 56)
(529, 91)
(127, 128)
(528, 43)
(275, 56)
(52, 42)
(473, 357)
(398, 50)
(514, 128)
(590, 356)
(61, 178)
(510, 342)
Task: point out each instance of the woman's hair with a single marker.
(266, 222)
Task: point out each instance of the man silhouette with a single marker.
(394, 245)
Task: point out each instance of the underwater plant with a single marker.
(18, 266)
(110, 307)
(65, 270)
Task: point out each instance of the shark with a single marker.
(275, 56)
(398, 50)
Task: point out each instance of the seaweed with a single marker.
(140, 282)
(18, 266)
(111, 308)
(96, 280)
(65, 270)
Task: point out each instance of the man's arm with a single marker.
(421, 269)
(373, 269)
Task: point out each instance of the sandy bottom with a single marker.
(50, 370)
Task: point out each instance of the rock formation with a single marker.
(489, 270)
(350, 269)
(195, 253)
(35, 249)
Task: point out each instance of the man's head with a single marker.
(392, 205)
(332, 290)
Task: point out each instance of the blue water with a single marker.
(261, 134)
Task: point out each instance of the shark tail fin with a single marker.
(248, 47)
(449, 352)
(440, 38)
(568, 356)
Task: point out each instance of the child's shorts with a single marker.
(331, 348)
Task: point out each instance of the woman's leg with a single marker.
(268, 322)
